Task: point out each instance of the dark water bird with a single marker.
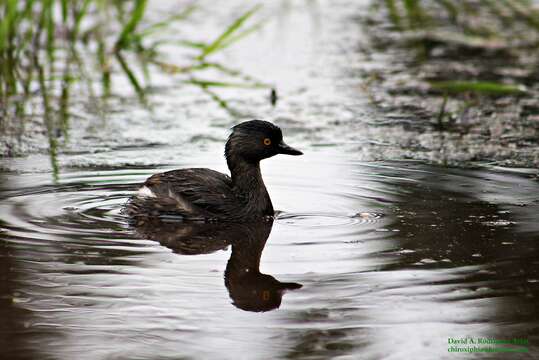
(199, 194)
(249, 289)
(200, 211)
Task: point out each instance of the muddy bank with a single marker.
(461, 97)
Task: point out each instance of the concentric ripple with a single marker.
(381, 244)
(81, 209)
(315, 220)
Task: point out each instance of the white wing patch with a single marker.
(182, 203)
(145, 192)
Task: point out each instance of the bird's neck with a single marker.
(248, 184)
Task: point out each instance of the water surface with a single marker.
(368, 257)
(382, 249)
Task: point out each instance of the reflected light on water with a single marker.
(423, 259)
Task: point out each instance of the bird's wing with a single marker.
(193, 190)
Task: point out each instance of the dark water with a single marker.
(453, 255)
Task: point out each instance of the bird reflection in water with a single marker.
(248, 288)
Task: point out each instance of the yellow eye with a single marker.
(267, 141)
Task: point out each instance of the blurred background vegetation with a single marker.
(467, 68)
(54, 50)
(488, 33)
(456, 54)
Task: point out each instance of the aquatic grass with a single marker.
(104, 67)
(524, 12)
(50, 29)
(500, 11)
(130, 75)
(450, 8)
(213, 83)
(423, 14)
(78, 16)
(480, 62)
(160, 25)
(64, 101)
(417, 17)
(222, 103)
(129, 28)
(512, 29)
(478, 87)
(248, 80)
(129, 38)
(393, 13)
(49, 46)
(8, 23)
(441, 114)
(48, 120)
(230, 35)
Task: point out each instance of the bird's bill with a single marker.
(289, 150)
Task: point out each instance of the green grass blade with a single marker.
(217, 43)
(4, 29)
(130, 75)
(221, 102)
(64, 4)
(168, 21)
(235, 38)
(192, 44)
(104, 67)
(501, 12)
(479, 87)
(526, 13)
(416, 15)
(51, 29)
(224, 84)
(64, 100)
(7, 23)
(26, 36)
(48, 119)
(232, 72)
(79, 15)
(393, 13)
(442, 113)
(129, 28)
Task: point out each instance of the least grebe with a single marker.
(206, 195)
